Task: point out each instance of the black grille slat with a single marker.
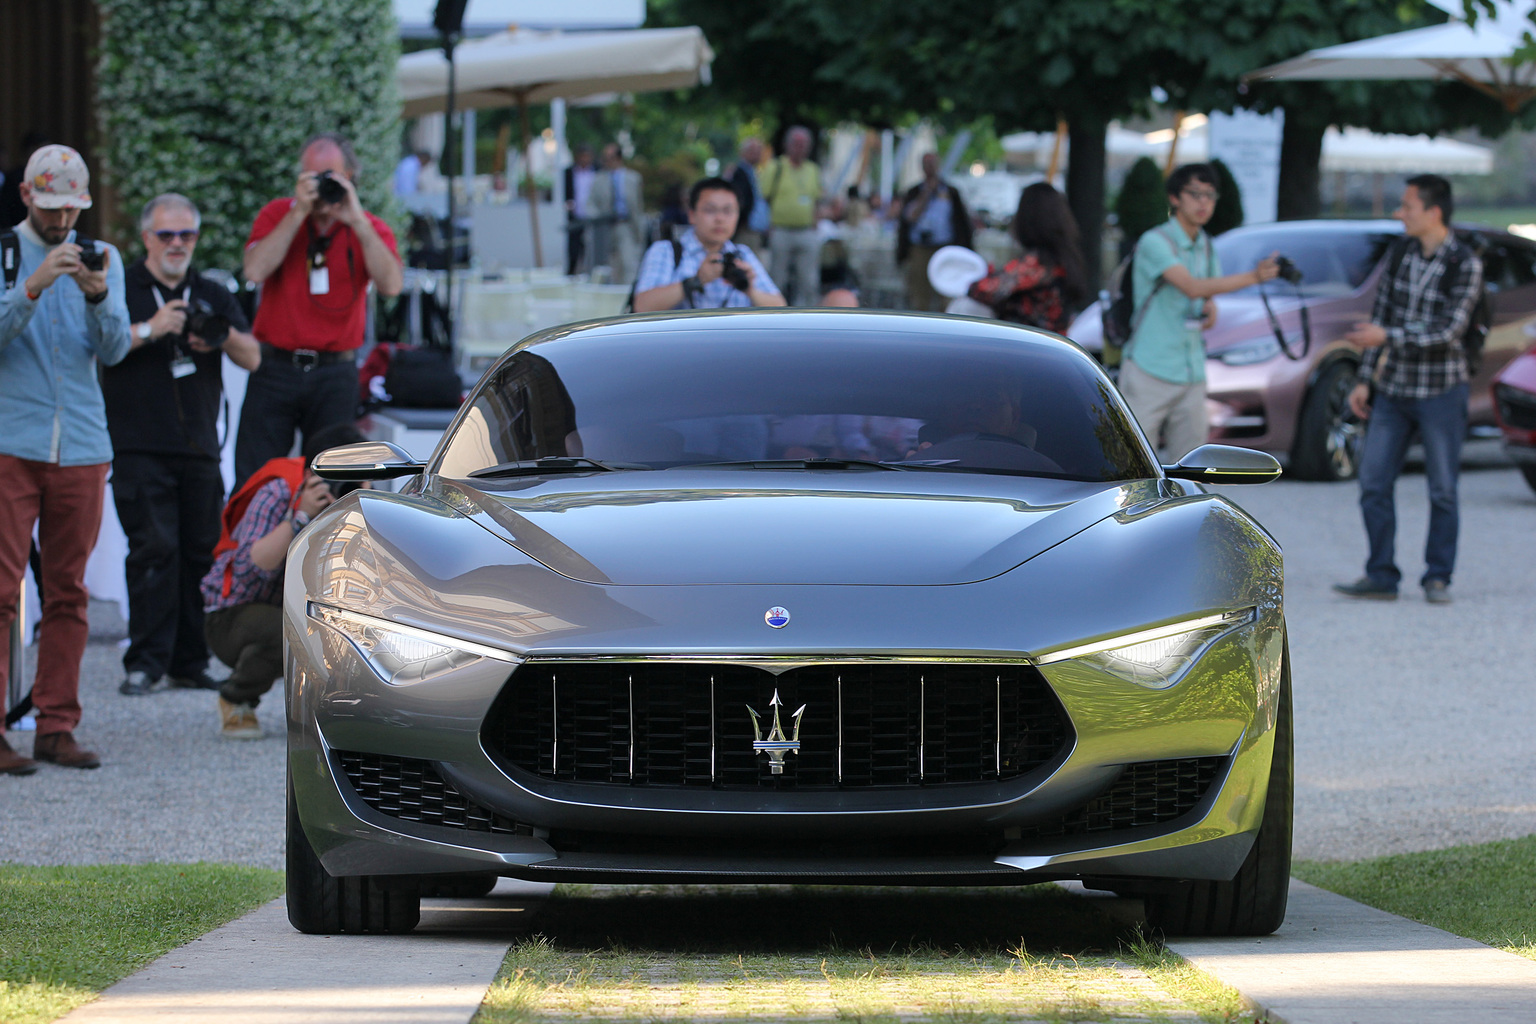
(412, 790)
(1147, 793)
(865, 725)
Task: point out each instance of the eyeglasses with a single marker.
(1202, 195)
(185, 236)
(716, 211)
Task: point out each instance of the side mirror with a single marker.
(366, 460)
(1224, 464)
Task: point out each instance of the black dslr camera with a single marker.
(734, 275)
(90, 257)
(206, 322)
(331, 190)
(1288, 270)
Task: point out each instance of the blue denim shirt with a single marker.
(51, 409)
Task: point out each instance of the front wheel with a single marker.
(1528, 471)
(1328, 434)
(320, 903)
(1253, 902)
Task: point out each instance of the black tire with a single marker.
(319, 903)
(1529, 472)
(1328, 435)
(458, 887)
(1253, 902)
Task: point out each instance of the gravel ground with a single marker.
(1414, 722)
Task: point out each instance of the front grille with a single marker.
(1516, 408)
(412, 790)
(1148, 793)
(864, 726)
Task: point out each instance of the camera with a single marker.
(331, 190)
(1288, 270)
(733, 273)
(207, 323)
(342, 488)
(90, 257)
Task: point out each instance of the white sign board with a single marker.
(1249, 144)
(482, 17)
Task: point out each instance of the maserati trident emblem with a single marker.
(777, 617)
(776, 745)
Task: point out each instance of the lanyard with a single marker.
(186, 294)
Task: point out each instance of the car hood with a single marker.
(775, 527)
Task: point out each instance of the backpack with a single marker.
(1119, 314)
(289, 469)
(1481, 320)
(677, 257)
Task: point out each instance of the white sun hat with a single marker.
(954, 268)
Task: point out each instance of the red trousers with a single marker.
(65, 503)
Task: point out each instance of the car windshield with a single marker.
(921, 402)
(1333, 262)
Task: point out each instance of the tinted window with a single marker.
(661, 400)
(1331, 262)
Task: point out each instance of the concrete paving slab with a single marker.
(1336, 961)
(258, 970)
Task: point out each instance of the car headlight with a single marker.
(403, 654)
(1156, 657)
(1260, 350)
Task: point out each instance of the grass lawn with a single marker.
(1499, 217)
(1483, 892)
(810, 954)
(66, 933)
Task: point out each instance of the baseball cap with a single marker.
(59, 179)
(953, 269)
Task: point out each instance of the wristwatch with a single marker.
(142, 330)
(300, 520)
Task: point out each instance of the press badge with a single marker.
(182, 366)
(320, 280)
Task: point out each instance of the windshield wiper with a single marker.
(553, 464)
(813, 463)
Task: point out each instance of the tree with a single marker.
(1142, 204)
(1229, 207)
(212, 98)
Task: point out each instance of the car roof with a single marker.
(1386, 226)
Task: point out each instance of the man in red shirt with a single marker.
(315, 253)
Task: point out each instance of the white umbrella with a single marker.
(523, 66)
(1363, 152)
(1477, 55)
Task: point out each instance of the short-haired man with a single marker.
(752, 223)
(578, 188)
(933, 215)
(792, 187)
(617, 205)
(162, 412)
(59, 320)
(243, 590)
(694, 274)
(1413, 378)
(315, 253)
(1174, 277)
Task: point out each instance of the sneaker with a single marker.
(198, 680)
(239, 721)
(140, 683)
(1363, 587)
(1437, 592)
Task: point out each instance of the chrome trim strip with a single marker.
(922, 727)
(997, 742)
(1230, 619)
(712, 777)
(839, 728)
(554, 722)
(318, 611)
(631, 726)
(799, 659)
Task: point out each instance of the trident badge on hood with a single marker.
(776, 745)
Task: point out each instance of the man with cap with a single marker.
(62, 313)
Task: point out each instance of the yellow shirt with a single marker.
(792, 193)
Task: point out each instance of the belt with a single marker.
(306, 358)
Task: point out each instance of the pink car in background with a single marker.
(1297, 409)
(1514, 403)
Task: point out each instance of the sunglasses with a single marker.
(186, 236)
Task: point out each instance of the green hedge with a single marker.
(213, 98)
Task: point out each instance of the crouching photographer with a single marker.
(702, 268)
(162, 406)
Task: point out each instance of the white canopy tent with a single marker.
(1478, 55)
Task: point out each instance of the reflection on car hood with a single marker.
(680, 527)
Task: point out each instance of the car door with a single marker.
(1509, 270)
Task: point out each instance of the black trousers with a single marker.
(282, 397)
(169, 506)
(249, 639)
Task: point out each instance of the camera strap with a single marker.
(1274, 324)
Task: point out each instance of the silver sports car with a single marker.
(792, 596)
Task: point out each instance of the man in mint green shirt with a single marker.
(1173, 279)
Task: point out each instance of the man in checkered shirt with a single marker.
(1414, 374)
(692, 274)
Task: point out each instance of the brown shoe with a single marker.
(12, 763)
(62, 750)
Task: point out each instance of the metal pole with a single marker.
(448, 318)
